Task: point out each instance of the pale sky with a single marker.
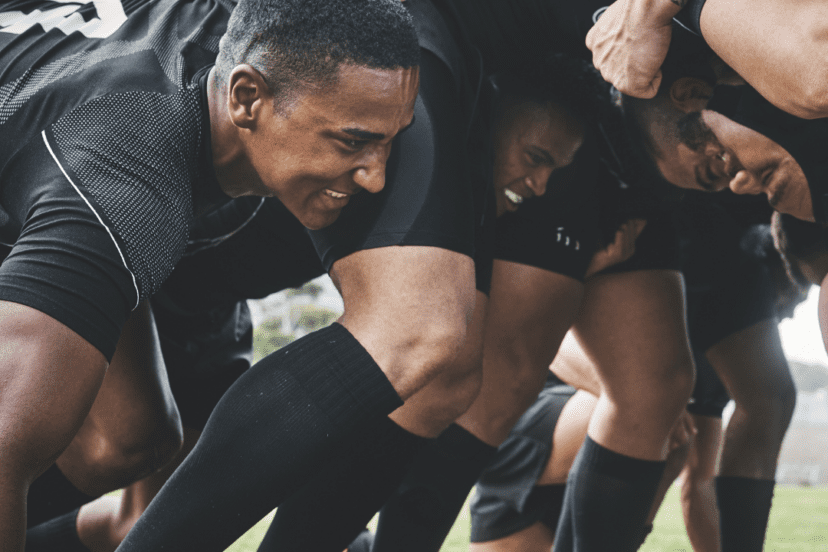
(801, 338)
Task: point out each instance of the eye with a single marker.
(535, 159)
(353, 144)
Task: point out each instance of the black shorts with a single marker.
(655, 249)
(747, 298)
(562, 230)
(506, 499)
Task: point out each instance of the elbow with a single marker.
(811, 102)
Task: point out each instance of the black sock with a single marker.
(645, 532)
(330, 511)
(283, 420)
(608, 496)
(56, 535)
(420, 514)
(52, 495)
(744, 507)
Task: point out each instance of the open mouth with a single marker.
(513, 197)
(335, 195)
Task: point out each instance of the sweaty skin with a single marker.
(530, 141)
(319, 150)
(717, 153)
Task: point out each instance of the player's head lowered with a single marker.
(701, 136)
(306, 98)
(540, 118)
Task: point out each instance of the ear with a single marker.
(248, 96)
(690, 94)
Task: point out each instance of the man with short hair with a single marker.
(116, 131)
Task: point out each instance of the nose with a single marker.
(745, 182)
(538, 180)
(370, 175)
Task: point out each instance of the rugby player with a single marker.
(732, 322)
(117, 129)
(427, 287)
(534, 136)
(540, 296)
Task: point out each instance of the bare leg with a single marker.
(698, 494)
(632, 326)
(50, 378)
(103, 523)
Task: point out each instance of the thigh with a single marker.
(632, 326)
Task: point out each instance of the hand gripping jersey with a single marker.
(104, 151)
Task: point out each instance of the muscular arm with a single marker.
(778, 47)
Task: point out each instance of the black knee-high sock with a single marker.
(421, 512)
(744, 508)
(608, 496)
(56, 535)
(52, 495)
(330, 511)
(281, 422)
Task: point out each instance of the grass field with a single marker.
(799, 523)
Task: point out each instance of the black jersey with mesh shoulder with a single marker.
(104, 151)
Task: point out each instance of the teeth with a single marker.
(513, 197)
(335, 195)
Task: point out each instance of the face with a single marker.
(717, 153)
(531, 140)
(331, 143)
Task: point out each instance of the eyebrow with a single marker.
(368, 135)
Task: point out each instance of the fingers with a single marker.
(629, 43)
(621, 248)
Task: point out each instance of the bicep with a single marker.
(778, 47)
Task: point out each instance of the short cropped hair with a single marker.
(300, 44)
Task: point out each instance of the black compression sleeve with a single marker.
(271, 432)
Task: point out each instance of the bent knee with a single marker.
(106, 464)
(769, 406)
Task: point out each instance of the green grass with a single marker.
(798, 523)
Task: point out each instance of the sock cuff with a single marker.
(745, 486)
(331, 360)
(459, 442)
(603, 460)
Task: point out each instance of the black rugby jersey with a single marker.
(116, 90)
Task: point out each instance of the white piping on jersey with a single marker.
(108, 231)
